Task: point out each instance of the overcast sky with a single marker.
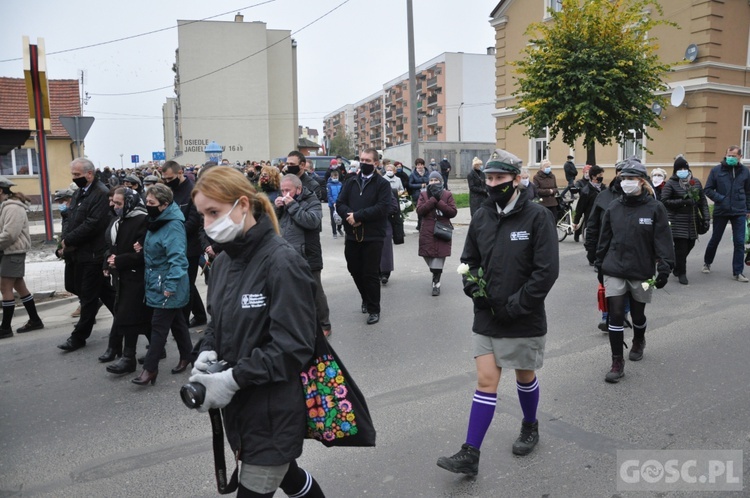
(342, 58)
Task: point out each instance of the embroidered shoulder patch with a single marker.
(253, 300)
(645, 221)
(519, 235)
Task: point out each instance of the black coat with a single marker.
(681, 209)
(594, 223)
(586, 199)
(570, 171)
(88, 219)
(369, 203)
(635, 237)
(518, 252)
(300, 224)
(193, 220)
(263, 324)
(477, 189)
(313, 186)
(128, 275)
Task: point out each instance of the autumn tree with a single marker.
(592, 72)
(342, 144)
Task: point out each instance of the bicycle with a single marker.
(565, 225)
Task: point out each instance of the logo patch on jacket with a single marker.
(253, 300)
(645, 221)
(519, 235)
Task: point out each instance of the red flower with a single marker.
(692, 181)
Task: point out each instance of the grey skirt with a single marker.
(13, 265)
(518, 353)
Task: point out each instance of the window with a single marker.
(553, 5)
(632, 145)
(745, 143)
(20, 162)
(541, 148)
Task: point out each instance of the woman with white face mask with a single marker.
(166, 278)
(263, 326)
(634, 243)
(527, 184)
(658, 179)
(687, 207)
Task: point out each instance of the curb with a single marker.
(47, 305)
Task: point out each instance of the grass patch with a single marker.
(462, 200)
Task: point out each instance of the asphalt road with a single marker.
(69, 429)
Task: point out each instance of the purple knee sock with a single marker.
(528, 396)
(482, 410)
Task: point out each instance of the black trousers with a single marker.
(682, 248)
(363, 263)
(90, 285)
(162, 320)
(196, 303)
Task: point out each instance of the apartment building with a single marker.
(712, 71)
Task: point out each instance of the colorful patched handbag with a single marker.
(337, 413)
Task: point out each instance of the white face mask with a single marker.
(630, 187)
(223, 229)
(389, 173)
(657, 179)
(525, 182)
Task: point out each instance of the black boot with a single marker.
(636, 351)
(527, 439)
(465, 461)
(124, 365)
(109, 355)
(617, 371)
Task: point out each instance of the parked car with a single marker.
(321, 163)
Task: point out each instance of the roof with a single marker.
(494, 11)
(307, 144)
(14, 104)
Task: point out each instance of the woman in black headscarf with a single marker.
(125, 266)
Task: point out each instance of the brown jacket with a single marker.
(14, 227)
(546, 188)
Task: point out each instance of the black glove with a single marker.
(481, 303)
(470, 288)
(661, 280)
(600, 275)
(502, 316)
(435, 190)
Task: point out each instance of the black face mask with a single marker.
(80, 181)
(366, 168)
(292, 170)
(172, 183)
(501, 194)
(153, 211)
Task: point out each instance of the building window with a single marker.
(553, 5)
(541, 142)
(632, 145)
(745, 144)
(20, 162)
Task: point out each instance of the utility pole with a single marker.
(413, 126)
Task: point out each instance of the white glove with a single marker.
(220, 388)
(201, 364)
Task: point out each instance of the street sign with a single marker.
(134, 159)
(158, 156)
(77, 126)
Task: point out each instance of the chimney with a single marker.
(238, 17)
(490, 50)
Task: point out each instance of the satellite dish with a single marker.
(656, 108)
(691, 53)
(678, 96)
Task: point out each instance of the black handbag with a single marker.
(443, 231)
(397, 224)
(701, 225)
(337, 413)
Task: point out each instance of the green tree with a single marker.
(342, 144)
(592, 72)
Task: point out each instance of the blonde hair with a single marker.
(545, 163)
(227, 185)
(658, 170)
(476, 162)
(274, 176)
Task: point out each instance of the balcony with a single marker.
(431, 120)
(375, 136)
(388, 99)
(399, 128)
(399, 96)
(432, 100)
(375, 122)
(389, 115)
(399, 112)
(432, 82)
(432, 138)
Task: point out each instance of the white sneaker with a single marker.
(741, 278)
(706, 268)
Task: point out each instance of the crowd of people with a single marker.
(256, 231)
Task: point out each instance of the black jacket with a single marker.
(477, 189)
(445, 166)
(369, 203)
(729, 188)
(570, 171)
(635, 237)
(683, 219)
(313, 186)
(88, 219)
(518, 252)
(594, 223)
(586, 199)
(193, 220)
(300, 224)
(263, 323)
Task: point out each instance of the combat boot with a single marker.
(527, 439)
(636, 351)
(465, 461)
(618, 370)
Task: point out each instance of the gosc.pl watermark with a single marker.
(679, 470)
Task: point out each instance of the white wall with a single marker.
(477, 122)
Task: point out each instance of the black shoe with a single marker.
(71, 345)
(683, 279)
(122, 366)
(435, 289)
(181, 366)
(527, 439)
(384, 280)
(364, 308)
(196, 322)
(143, 358)
(110, 355)
(617, 371)
(5, 333)
(465, 461)
(30, 325)
(373, 318)
(603, 326)
(636, 351)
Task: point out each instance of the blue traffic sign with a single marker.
(134, 159)
(158, 156)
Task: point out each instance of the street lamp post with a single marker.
(459, 121)
(121, 165)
